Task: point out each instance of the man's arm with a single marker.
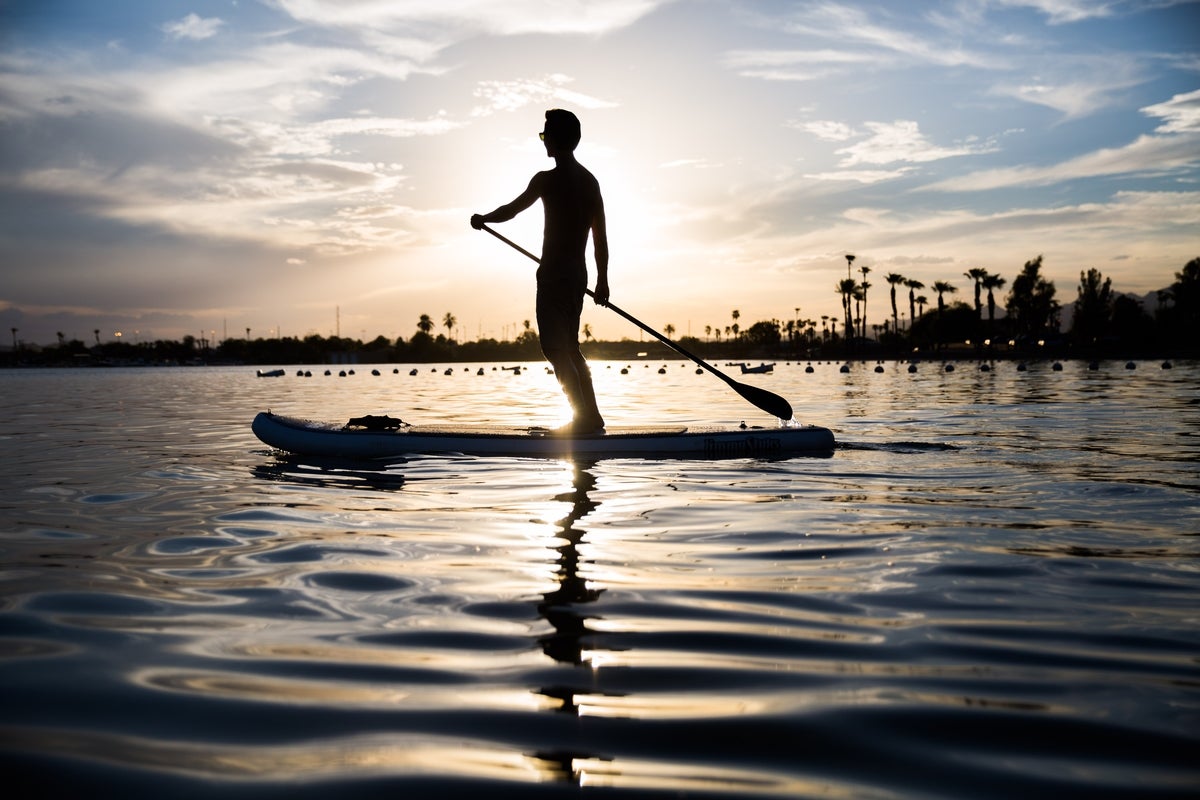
(509, 210)
(600, 243)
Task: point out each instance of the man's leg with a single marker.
(587, 412)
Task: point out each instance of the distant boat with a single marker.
(759, 370)
(271, 373)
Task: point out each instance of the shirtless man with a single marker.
(573, 207)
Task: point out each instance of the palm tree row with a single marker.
(854, 296)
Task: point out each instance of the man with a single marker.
(573, 208)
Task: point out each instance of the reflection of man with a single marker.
(573, 208)
(561, 607)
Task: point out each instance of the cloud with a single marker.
(513, 17)
(1174, 146)
(844, 24)
(794, 65)
(1181, 112)
(513, 95)
(827, 130)
(902, 140)
(1077, 85)
(1060, 12)
(193, 27)
(864, 176)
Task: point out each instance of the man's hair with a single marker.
(563, 128)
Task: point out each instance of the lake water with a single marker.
(991, 589)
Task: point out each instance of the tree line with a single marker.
(1104, 322)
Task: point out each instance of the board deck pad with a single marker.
(308, 437)
(537, 431)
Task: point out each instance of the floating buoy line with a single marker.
(913, 367)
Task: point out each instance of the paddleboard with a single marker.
(377, 437)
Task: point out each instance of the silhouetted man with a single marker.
(573, 207)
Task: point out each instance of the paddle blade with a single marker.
(769, 402)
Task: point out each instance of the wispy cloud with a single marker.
(794, 65)
(1077, 85)
(825, 129)
(1174, 146)
(511, 95)
(902, 140)
(193, 27)
(849, 25)
(479, 16)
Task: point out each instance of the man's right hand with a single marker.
(477, 221)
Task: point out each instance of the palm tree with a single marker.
(425, 324)
(991, 283)
(942, 288)
(846, 289)
(449, 321)
(977, 274)
(669, 330)
(913, 285)
(921, 302)
(849, 262)
(736, 315)
(894, 279)
(864, 270)
(708, 331)
(587, 332)
(96, 332)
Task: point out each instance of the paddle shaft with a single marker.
(767, 401)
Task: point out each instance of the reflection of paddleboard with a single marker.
(377, 437)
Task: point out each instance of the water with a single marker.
(989, 590)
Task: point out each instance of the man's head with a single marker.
(562, 129)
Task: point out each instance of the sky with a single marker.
(297, 167)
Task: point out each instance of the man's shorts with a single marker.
(559, 305)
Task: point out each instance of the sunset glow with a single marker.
(296, 165)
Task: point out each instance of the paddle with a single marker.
(769, 402)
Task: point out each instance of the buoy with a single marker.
(985, 368)
(1057, 366)
(342, 373)
(327, 373)
(624, 370)
(395, 370)
(912, 367)
(1021, 367)
(949, 368)
(1130, 365)
(412, 371)
(662, 370)
(1166, 365)
(1093, 366)
(809, 369)
(375, 372)
(699, 371)
(844, 368)
(480, 372)
(449, 371)
(878, 368)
